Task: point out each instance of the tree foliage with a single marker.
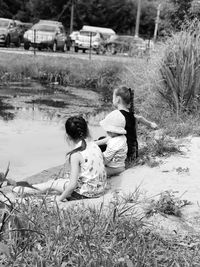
(117, 14)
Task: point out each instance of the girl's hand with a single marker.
(154, 125)
(59, 199)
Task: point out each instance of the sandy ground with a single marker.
(179, 172)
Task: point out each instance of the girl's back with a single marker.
(92, 178)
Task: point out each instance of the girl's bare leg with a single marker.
(114, 171)
(57, 185)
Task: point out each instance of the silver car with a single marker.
(9, 32)
(47, 34)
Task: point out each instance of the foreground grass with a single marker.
(39, 234)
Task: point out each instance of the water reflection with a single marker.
(4, 110)
(32, 137)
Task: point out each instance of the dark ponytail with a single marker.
(132, 111)
(127, 96)
(80, 148)
(76, 127)
(134, 148)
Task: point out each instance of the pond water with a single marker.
(32, 116)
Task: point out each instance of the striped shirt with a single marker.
(116, 152)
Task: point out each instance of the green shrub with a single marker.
(180, 70)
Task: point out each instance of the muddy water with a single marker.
(32, 117)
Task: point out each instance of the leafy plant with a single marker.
(167, 204)
(180, 70)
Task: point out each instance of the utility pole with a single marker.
(138, 19)
(72, 16)
(156, 24)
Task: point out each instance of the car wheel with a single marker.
(84, 50)
(7, 42)
(54, 48)
(113, 50)
(64, 49)
(76, 49)
(18, 43)
(26, 46)
(39, 48)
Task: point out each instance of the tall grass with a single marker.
(180, 70)
(35, 233)
(100, 76)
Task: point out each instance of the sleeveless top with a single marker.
(131, 134)
(92, 178)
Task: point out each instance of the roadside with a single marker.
(69, 54)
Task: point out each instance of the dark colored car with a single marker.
(22, 28)
(125, 44)
(9, 32)
(47, 34)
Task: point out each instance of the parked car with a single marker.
(22, 27)
(125, 44)
(47, 34)
(92, 37)
(9, 32)
(74, 36)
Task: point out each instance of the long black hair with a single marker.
(76, 127)
(127, 96)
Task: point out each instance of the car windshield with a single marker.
(86, 33)
(45, 28)
(4, 23)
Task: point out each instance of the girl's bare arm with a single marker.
(75, 169)
(146, 122)
(102, 141)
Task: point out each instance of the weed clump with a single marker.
(167, 204)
